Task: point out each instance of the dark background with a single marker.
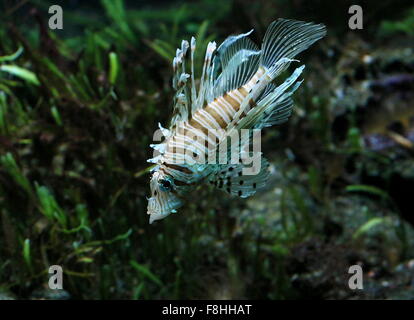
(75, 131)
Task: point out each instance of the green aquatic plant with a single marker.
(78, 108)
(26, 253)
(49, 207)
(404, 25)
(8, 162)
(16, 70)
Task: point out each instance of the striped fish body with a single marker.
(210, 126)
(236, 92)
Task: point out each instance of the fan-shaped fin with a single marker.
(286, 38)
(270, 104)
(230, 47)
(239, 70)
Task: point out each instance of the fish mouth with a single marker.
(154, 216)
(157, 213)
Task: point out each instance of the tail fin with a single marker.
(284, 39)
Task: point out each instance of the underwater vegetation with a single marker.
(78, 109)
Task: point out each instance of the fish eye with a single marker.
(165, 185)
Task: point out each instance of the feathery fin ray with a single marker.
(236, 91)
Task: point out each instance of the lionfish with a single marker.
(237, 91)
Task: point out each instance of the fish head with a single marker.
(164, 199)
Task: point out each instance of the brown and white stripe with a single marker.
(208, 125)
